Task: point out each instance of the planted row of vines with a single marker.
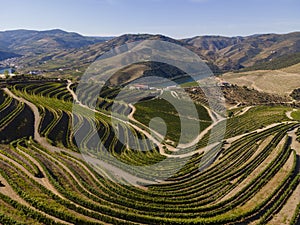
(254, 180)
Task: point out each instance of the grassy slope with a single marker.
(296, 115)
(281, 82)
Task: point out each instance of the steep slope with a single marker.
(37, 42)
(79, 59)
(270, 51)
(270, 81)
(238, 52)
(57, 52)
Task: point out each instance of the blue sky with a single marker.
(174, 18)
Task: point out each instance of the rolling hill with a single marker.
(73, 154)
(52, 172)
(37, 42)
(239, 52)
(57, 52)
(282, 81)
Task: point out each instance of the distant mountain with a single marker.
(231, 53)
(56, 50)
(80, 59)
(28, 42)
(221, 53)
(92, 52)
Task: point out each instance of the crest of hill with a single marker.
(57, 50)
(81, 58)
(221, 53)
(30, 42)
(232, 53)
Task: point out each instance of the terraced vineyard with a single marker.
(251, 176)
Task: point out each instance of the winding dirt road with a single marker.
(289, 114)
(44, 143)
(130, 178)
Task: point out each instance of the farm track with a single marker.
(254, 179)
(43, 142)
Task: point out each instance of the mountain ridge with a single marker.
(72, 51)
(25, 42)
(239, 52)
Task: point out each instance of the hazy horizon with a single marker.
(173, 18)
(117, 35)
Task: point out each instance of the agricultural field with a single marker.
(296, 114)
(149, 109)
(281, 82)
(248, 174)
